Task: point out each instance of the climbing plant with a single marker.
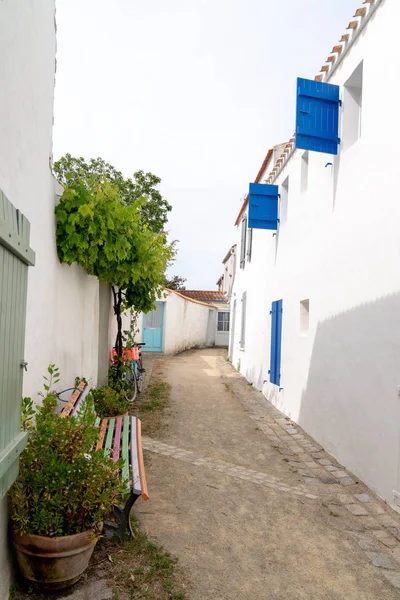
(154, 208)
(108, 237)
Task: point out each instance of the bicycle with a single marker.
(134, 374)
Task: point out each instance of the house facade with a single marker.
(315, 308)
(177, 323)
(225, 282)
(220, 300)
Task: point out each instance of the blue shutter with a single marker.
(272, 363)
(263, 206)
(276, 340)
(317, 116)
(278, 343)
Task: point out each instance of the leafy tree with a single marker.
(154, 208)
(176, 283)
(108, 237)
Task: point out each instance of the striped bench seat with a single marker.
(120, 437)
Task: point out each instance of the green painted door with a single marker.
(15, 257)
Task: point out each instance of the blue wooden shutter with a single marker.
(263, 206)
(272, 363)
(276, 340)
(317, 116)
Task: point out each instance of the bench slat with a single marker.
(97, 422)
(125, 453)
(77, 406)
(109, 437)
(117, 439)
(71, 402)
(136, 487)
(102, 433)
(143, 482)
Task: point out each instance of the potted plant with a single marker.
(64, 489)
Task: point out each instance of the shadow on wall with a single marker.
(255, 377)
(350, 404)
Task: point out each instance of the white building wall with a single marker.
(63, 302)
(340, 248)
(187, 324)
(229, 272)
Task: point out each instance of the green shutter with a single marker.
(15, 256)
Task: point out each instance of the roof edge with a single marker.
(190, 299)
(257, 180)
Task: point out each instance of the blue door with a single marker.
(153, 327)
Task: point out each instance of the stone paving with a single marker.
(239, 472)
(380, 524)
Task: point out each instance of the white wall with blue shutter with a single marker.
(340, 249)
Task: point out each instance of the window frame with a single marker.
(224, 321)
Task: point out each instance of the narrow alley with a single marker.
(253, 507)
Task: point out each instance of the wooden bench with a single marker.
(121, 438)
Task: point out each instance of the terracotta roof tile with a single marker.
(204, 295)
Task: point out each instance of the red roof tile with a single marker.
(204, 295)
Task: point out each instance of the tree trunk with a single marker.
(117, 294)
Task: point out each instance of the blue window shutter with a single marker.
(317, 116)
(278, 344)
(272, 363)
(263, 206)
(276, 340)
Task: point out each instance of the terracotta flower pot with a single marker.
(53, 563)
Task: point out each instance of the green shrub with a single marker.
(64, 486)
(109, 403)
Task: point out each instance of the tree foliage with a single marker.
(176, 283)
(108, 237)
(154, 208)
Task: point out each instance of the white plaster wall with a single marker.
(339, 248)
(229, 273)
(62, 322)
(63, 302)
(187, 324)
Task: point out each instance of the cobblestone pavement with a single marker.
(312, 530)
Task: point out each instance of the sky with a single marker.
(195, 91)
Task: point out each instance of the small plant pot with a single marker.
(53, 563)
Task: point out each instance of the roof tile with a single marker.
(204, 295)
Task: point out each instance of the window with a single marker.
(352, 102)
(284, 201)
(223, 321)
(249, 243)
(304, 172)
(304, 316)
(243, 325)
(243, 242)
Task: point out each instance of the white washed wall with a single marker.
(187, 324)
(63, 302)
(339, 248)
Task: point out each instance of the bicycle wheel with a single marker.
(132, 387)
(139, 375)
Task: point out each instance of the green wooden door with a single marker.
(15, 257)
